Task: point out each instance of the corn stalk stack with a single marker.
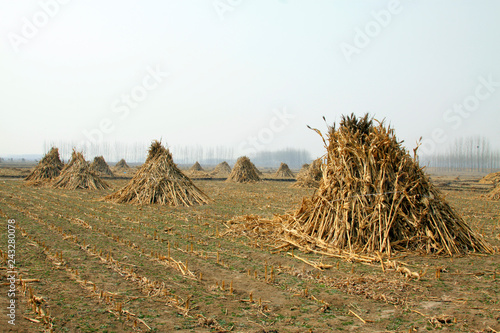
(284, 171)
(491, 178)
(221, 170)
(243, 172)
(77, 174)
(196, 171)
(47, 169)
(374, 197)
(309, 175)
(122, 164)
(159, 181)
(100, 166)
(494, 194)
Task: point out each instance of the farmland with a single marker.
(93, 266)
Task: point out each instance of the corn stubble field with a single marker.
(93, 266)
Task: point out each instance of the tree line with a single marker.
(466, 153)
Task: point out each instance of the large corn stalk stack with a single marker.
(244, 171)
(77, 174)
(159, 181)
(284, 171)
(100, 166)
(47, 169)
(374, 197)
(309, 175)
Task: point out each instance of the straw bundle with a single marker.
(122, 164)
(374, 197)
(196, 171)
(309, 175)
(196, 167)
(100, 166)
(48, 168)
(243, 172)
(491, 178)
(160, 181)
(77, 174)
(222, 169)
(284, 171)
(494, 194)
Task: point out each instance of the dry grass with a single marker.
(160, 181)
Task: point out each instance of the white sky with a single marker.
(229, 72)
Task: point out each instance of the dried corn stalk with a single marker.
(243, 171)
(48, 168)
(284, 171)
(160, 181)
(77, 174)
(374, 197)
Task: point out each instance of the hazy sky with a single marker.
(245, 74)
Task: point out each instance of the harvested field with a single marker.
(98, 266)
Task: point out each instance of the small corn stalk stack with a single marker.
(221, 170)
(46, 170)
(284, 171)
(244, 171)
(159, 181)
(100, 166)
(78, 174)
(375, 198)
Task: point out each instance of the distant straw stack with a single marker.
(243, 172)
(77, 174)
(122, 164)
(221, 170)
(159, 181)
(196, 171)
(100, 166)
(47, 169)
(284, 171)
